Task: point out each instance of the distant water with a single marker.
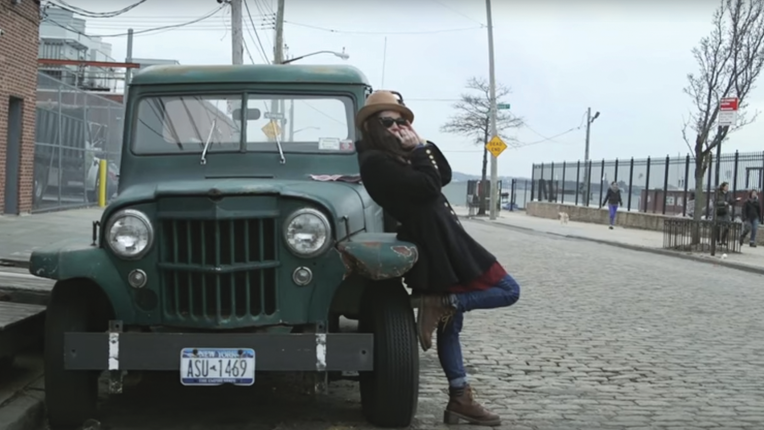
(456, 193)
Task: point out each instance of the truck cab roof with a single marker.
(244, 74)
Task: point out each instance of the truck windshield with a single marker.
(182, 123)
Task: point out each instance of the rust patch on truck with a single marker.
(377, 260)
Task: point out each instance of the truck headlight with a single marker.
(307, 232)
(129, 234)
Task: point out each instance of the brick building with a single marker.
(19, 41)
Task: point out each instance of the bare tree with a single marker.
(729, 60)
(473, 120)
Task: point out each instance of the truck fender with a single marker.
(71, 259)
(377, 256)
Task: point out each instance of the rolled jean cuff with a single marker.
(458, 382)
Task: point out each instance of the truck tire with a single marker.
(390, 393)
(70, 396)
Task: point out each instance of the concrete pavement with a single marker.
(20, 235)
(601, 338)
(21, 393)
(751, 259)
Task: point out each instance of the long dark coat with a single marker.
(410, 192)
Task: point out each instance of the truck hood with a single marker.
(339, 198)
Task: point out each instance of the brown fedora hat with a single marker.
(380, 101)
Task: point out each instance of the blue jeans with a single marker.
(613, 211)
(752, 227)
(503, 294)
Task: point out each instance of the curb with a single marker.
(26, 411)
(26, 296)
(658, 251)
(14, 262)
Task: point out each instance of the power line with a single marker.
(263, 54)
(90, 14)
(385, 33)
(246, 48)
(155, 29)
(266, 5)
(268, 12)
(460, 13)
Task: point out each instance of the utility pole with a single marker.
(587, 182)
(128, 59)
(494, 132)
(237, 33)
(277, 106)
(278, 44)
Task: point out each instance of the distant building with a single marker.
(63, 37)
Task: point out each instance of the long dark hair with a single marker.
(376, 136)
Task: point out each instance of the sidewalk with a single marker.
(20, 235)
(21, 394)
(751, 259)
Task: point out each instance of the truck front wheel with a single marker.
(70, 396)
(390, 393)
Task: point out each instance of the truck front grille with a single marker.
(218, 270)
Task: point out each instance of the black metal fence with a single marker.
(512, 195)
(688, 235)
(651, 185)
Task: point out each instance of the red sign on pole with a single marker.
(728, 104)
(728, 111)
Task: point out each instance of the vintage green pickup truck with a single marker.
(240, 234)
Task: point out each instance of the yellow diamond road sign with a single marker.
(271, 129)
(496, 146)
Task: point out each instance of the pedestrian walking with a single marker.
(454, 274)
(723, 202)
(751, 216)
(690, 208)
(613, 200)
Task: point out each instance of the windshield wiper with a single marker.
(203, 161)
(276, 135)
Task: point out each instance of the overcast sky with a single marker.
(628, 60)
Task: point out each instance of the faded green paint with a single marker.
(259, 74)
(378, 256)
(249, 186)
(75, 260)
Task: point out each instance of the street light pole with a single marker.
(342, 55)
(494, 132)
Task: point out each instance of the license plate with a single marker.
(217, 366)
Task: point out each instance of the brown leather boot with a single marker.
(432, 310)
(463, 407)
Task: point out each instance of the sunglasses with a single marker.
(388, 122)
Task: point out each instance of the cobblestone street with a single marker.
(602, 337)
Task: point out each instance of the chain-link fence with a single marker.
(651, 185)
(74, 131)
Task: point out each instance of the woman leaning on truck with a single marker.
(454, 274)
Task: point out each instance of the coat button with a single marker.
(445, 204)
(428, 151)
